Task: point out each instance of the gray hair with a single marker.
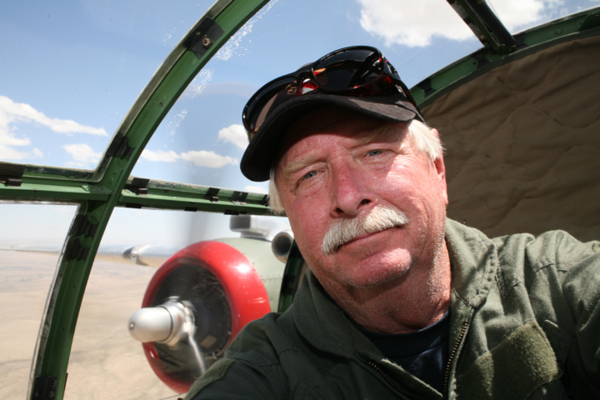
(422, 135)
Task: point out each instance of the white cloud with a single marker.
(13, 112)
(520, 13)
(209, 159)
(414, 26)
(8, 153)
(10, 140)
(415, 23)
(235, 134)
(164, 156)
(82, 152)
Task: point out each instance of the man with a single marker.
(399, 302)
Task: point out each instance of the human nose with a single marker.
(351, 192)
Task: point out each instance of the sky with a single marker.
(71, 71)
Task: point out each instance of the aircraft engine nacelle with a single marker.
(197, 302)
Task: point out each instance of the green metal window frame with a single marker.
(97, 193)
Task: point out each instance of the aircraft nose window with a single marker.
(160, 308)
(518, 17)
(28, 260)
(128, 141)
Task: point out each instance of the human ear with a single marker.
(440, 168)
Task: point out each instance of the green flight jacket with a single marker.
(525, 323)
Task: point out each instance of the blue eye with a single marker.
(309, 175)
(374, 152)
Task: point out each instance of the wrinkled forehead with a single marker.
(338, 121)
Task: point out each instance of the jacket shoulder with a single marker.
(556, 250)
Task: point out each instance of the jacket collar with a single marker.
(321, 321)
(474, 261)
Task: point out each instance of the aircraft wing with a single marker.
(147, 255)
(154, 255)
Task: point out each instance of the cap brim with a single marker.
(262, 150)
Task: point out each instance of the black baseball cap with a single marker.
(263, 147)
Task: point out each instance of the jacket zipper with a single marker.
(463, 330)
(391, 381)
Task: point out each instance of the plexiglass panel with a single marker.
(31, 237)
(521, 15)
(70, 72)
(202, 139)
(106, 360)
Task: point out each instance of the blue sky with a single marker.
(71, 70)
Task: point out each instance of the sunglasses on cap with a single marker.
(352, 71)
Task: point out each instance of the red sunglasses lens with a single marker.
(348, 70)
(268, 99)
(351, 71)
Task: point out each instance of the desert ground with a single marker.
(105, 363)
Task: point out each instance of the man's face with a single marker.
(333, 169)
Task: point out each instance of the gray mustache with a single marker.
(344, 230)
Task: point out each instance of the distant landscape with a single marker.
(106, 363)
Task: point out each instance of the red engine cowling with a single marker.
(225, 291)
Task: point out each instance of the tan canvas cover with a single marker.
(523, 143)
